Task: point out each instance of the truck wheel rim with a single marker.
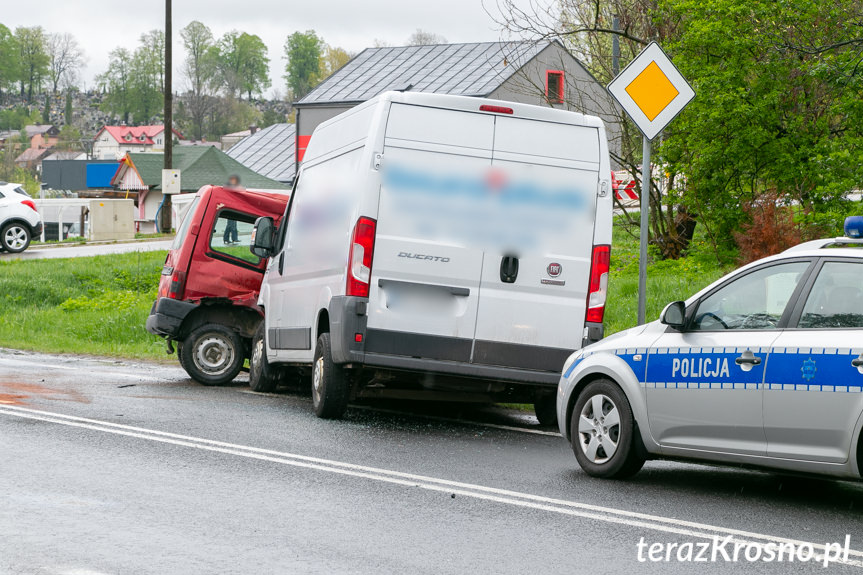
(318, 381)
(599, 429)
(214, 355)
(15, 238)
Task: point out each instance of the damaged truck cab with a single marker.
(208, 290)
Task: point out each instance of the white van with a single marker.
(440, 244)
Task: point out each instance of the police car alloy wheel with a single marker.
(15, 238)
(603, 432)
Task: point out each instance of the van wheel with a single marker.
(545, 407)
(15, 238)
(330, 386)
(263, 376)
(603, 432)
(212, 354)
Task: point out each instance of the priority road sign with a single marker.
(651, 90)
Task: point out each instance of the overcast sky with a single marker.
(101, 25)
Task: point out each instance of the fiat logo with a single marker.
(554, 269)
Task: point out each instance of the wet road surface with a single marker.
(124, 467)
(37, 252)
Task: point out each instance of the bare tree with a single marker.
(66, 58)
(424, 38)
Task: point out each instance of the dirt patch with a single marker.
(23, 391)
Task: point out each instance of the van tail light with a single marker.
(177, 285)
(30, 204)
(360, 258)
(598, 289)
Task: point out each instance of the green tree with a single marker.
(9, 60)
(116, 82)
(33, 60)
(303, 52)
(69, 138)
(243, 64)
(332, 58)
(200, 72)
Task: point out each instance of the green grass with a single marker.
(94, 305)
(667, 280)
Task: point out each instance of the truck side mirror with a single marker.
(263, 237)
(674, 315)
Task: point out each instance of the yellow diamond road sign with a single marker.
(651, 90)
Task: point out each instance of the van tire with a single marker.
(331, 388)
(263, 376)
(545, 408)
(212, 354)
(627, 458)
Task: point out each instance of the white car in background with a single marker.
(19, 219)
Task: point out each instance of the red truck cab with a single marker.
(208, 291)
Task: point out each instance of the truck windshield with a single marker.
(184, 227)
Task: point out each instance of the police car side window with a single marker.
(755, 301)
(836, 298)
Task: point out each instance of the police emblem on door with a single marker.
(554, 269)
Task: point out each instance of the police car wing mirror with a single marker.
(674, 315)
(263, 237)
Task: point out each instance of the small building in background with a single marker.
(141, 173)
(234, 138)
(113, 142)
(269, 152)
(542, 73)
(42, 136)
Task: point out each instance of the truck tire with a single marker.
(15, 237)
(212, 354)
(180, 356)
(331, 388)
(603, 432)
(545, 408)
(263, 376)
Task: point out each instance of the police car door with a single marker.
(813, 393)
(703, 385)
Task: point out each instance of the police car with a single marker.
(763, 368)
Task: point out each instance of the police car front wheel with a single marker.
(603, 432)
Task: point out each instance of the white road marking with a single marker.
(96, 372)
(503, 496)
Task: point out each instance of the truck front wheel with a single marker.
(331, 388)
(212, 354)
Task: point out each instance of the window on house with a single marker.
(554, 86)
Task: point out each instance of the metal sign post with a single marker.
(652, 92)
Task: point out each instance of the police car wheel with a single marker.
(263, 376)
(212, 354)
(331, 388)
(603, 432)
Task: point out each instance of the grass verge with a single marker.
(93, 305)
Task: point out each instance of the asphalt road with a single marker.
(119, 467)
(85, 250)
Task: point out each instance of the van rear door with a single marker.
(425, 285)
(532, 316)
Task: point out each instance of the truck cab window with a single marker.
(232, 234)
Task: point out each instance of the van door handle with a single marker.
(282, 263)
(508, 269)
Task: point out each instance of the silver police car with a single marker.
(762, 368)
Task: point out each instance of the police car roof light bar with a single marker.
(854, 227)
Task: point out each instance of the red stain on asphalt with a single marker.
(30, 390)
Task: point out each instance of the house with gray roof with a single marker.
(269, 152)
(542, 73)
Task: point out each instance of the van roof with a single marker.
(472, 104)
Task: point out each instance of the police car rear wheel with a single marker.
(603, 432)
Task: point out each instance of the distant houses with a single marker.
(113, 142)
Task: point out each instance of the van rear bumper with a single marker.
(167, 315)
(353, 343)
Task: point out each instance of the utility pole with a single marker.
(165, 214)
(615, 46)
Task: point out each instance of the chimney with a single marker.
(252, 129)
